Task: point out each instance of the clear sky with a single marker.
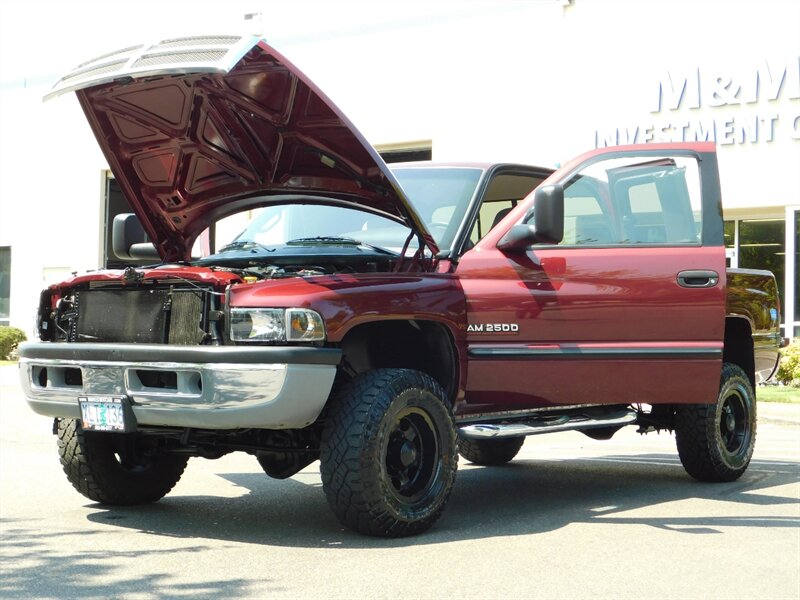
(44, 38)
(374, 58)
(524, 80)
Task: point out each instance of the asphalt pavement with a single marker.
(571, 517)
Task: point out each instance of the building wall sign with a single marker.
(690, 105)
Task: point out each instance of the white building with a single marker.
(535, 82)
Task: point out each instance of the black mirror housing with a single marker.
(544, 226)
(548, 214)
(129, 240)
(518, 239)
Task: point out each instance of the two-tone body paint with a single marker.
(594, 325)
(346, 301)
(599, 324)
(569, 325)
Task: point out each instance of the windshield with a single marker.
(440, 195)
(286, 223)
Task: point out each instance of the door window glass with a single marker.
(585, 223)
(634, 200)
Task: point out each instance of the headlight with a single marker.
(276, 325)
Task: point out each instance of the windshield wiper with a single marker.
(330, 240)
(244, 245)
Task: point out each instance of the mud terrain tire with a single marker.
(96, 469)
(715, 441)
(388, 453)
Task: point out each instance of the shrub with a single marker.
(10, 337)
(789, 369)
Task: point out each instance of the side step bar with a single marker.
(480, 431)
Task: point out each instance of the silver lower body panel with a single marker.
(207, 395)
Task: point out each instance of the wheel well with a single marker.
(422, 345)
(739, 346)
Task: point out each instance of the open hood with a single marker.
(197, 128)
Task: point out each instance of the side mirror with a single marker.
(129, 241)
(545, 226)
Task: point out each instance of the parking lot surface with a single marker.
(569, 518)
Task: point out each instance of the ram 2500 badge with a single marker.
(380, 320)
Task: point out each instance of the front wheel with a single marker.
(388, 453)
(715, 441)
(104, 468)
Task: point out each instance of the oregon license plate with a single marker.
(106, 413)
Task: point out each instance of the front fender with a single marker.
(348, 300)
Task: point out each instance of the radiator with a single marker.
(165, 315)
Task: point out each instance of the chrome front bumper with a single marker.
(208, 387)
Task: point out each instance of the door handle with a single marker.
(698, 279)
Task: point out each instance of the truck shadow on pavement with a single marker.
(81, 572)
(523, 498)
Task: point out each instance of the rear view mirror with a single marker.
(544, 226)
(129, 241)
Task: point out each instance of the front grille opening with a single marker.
(73, 377)
(157, 381)
(57, 377)
(167, 380)
(40, 376)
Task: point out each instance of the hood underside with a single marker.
(198, 128)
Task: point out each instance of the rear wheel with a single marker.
(388, 453)
(490, 452)
(716, 441)
(112, 470)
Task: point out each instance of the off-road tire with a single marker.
(491, 452)
(715, 441)
(94, 468)
(388, 453)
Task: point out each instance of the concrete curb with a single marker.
(778, 412)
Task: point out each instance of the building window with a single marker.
(730, 243)
(405, 151)
(796, 275)
(762, 245)
(5, 285)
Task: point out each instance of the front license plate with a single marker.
(106, 413)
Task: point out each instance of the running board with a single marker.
(479, 431)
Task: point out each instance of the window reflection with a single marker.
(762, 245)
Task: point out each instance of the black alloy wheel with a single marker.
(388, 453)
(716, 441)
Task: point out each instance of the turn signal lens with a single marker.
(304, 325)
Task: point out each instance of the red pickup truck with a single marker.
(380, 320)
